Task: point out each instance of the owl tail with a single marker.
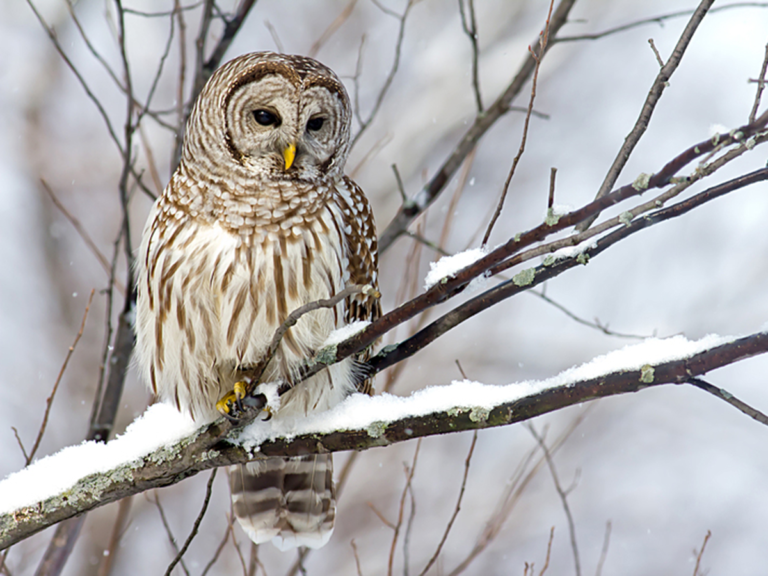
(291, 501)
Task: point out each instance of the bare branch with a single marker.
(513, 490)
(196, 525)
(357, 558)
(604, 551)
(761, 81)
(469, 25)
(81, 231)
(481, 125)
(731, 399)
(653, 20)
(102, 112)
(551, 197)
(108, 559)
(549, 551)
(49, 400)
(409, 472)
(456, 509)
(169, 532)
(390, 77)
(596, 325)
(657, 88)
(219, 548)
(563, 497)
(701, 553)
(337, 23)
(542, 49)
(207, 449)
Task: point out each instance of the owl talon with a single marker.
(232, 403)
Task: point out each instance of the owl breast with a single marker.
(212, 292)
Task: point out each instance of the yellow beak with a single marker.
(289, 154)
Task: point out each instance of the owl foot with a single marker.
(232, 403)
(244, 401)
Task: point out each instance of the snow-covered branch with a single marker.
(163, 448)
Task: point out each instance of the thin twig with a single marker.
(400, 187)
(49, 400)
(542, 48)
(437, 184)
(237, 548)
(81, 231)
(55, 41)
(220, 547)
(380, 516)
(390, 77)
(409, 478)
(275, 37)
(469, 25)
(20, 443)
(596, 325)
(160, 14)
(659, 59)
(456, 509)
(551, 198)
(95, 53)
(108, 559)
(337, 23)
(231, 28)
(761, 81)
(657, 88)
(428, 243)
(196, 525)
(549, 551)
(701, 553)
(731, 399)
(179, 109)
(296, 315)
(653, 20)
(253, 560)
(357, 558)
(604, 551)
(513, 491)
(563, 497)
(169, 532)
(408, 532)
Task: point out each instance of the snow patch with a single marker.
(339, 335)
(160, 425)
(448, 266)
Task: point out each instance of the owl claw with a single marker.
(232, 403)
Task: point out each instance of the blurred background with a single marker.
(663, 466)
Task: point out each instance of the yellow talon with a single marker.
(224, 406)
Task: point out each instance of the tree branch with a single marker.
(481, 125)
(208, 447)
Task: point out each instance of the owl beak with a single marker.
(289, 154)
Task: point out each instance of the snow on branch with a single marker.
(162, 447)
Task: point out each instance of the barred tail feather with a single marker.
(290, 501)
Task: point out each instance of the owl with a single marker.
(257, 220)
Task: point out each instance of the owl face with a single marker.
(283, 117)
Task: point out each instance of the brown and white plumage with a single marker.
(242, 235)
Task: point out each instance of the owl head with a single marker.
(271, 116)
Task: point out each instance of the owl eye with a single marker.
(315, 124)
(266, 118)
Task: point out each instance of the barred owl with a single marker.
(257, 220)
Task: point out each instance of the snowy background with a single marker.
(664, 466)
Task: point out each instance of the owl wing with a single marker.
(363, 257)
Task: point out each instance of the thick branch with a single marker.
(206, 448)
